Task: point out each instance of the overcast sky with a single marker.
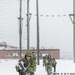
(55, 32)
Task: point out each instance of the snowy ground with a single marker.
(7, 67)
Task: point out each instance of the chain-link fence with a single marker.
(9, 22)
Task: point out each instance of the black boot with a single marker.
(32, 73)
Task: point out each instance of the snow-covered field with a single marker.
(7, 67)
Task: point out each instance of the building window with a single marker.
(9, 54)
(15, 54)
(23, 54)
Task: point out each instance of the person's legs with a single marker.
(31, 73)
(54, 68)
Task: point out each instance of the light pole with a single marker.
(28, 25)
(37, 17)
(73, 21)
(20, 28)
(74, 29)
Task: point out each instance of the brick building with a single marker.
(15, 54)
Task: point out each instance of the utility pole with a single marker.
(20, 28)
(37, 17)
(73, 21)
(28, 42)
(74, 29)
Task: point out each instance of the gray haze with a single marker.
(55, 32)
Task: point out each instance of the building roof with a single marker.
(4, 47)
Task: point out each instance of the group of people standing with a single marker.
(49, 63)
(27, 65)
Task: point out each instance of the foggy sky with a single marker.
(55, 32)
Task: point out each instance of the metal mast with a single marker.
(28, 25)
(20, 28)
(74, 29)
(37, 17)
